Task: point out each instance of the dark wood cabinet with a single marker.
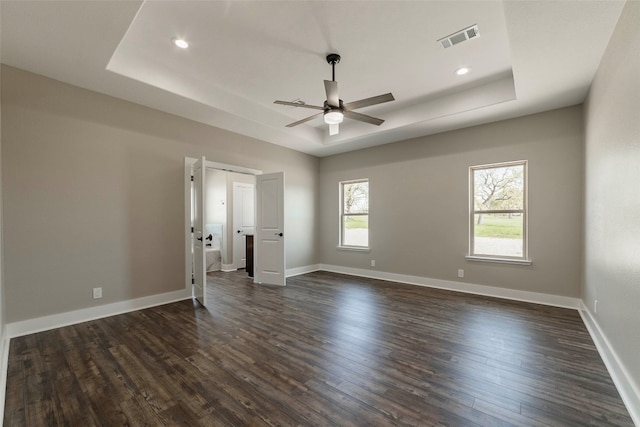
(249, 254)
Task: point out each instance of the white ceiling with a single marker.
(531, 56)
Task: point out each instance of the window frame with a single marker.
(341, 215)
(472, 256)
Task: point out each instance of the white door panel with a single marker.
(270, 254)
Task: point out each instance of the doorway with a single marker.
(266, 200)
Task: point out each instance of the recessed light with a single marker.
(182, 44)
(463, 70)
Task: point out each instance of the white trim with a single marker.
(228, 267)
(624, 382)
(232, 168)
(31, 326)
(4, 367)
(476, 258)
(290, 272)
(470, 288)
(353, 248)
(188, 162)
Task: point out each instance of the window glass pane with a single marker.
(498, 234)
(355, 197)
(499, 188)
(355, 230)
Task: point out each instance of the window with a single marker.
(354, 213)
(498, 214)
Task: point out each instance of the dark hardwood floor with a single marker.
(327, 349)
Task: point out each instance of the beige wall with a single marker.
(2, 299)
(93, 195)
(419, 202)
(612, 193)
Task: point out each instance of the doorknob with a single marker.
(278, 234)
(238, 231)
(209, 237)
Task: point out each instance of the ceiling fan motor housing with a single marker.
(328, 107)
(333, 58)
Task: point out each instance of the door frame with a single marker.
(188, 171)
(199, 284)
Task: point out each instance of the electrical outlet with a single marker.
(97, 293)
(595, 306)
(460, 273)
(373, 263)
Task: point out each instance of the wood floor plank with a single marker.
(325, 350)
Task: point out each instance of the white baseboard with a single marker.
(470, 288)
(302, 270)
(4, 366)
(30, 326)
(629, 391)
(627, 388)
(228, 268)
(26, 327)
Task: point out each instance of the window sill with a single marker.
(353, 248)
(499, 260)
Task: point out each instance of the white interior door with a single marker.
(269, 237)
(199, 260)
(243, 221)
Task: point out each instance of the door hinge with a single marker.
(193, 281)
(192, 229)
(191, 178)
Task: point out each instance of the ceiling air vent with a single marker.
(460, 36)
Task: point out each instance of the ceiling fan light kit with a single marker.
(334, 110)
(333, 117)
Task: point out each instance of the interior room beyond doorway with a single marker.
(230, 217)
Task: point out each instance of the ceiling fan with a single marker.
(334, 110)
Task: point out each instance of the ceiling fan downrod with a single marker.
(333, 59)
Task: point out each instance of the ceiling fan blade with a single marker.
(363, 118)
(334, 129)
(299, 122)
(331, 88)
(295, 104)
(374, 100)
